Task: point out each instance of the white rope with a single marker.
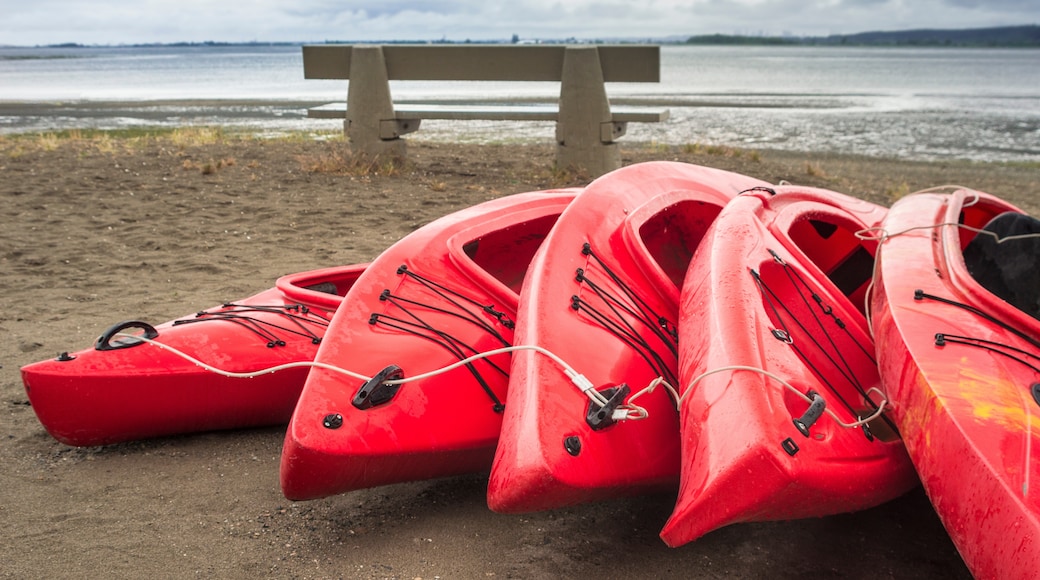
(635, 412)
(976, 198)
(628, 411)
(877, 413)
(579, 380)
(882, 235)
(242, 375)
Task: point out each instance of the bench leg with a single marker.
(368, 103)
(584, 112)
(363, 144)
(597, 159)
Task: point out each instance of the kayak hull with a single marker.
(963, 407)
(125, 389)
(769, 320)
(603, 296)
(445, 292)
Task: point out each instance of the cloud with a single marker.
(996, 5)
(119, 21)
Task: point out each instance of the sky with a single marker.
(36, 22)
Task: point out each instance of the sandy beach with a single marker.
(97, 230)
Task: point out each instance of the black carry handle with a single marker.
(812, 414)
(375, 391)
(104, 342)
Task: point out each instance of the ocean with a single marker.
(914, 103)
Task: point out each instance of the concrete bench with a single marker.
(586, 125)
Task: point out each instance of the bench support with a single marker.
(371, 125)
(585, 131)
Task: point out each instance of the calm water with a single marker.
(979, 104)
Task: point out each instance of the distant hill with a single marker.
(729, 39)
(1004, 36)
(1027, 36)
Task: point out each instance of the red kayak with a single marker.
(962, 365)
(603, 296)
(127, 388)
(776, 367)
(445, 292)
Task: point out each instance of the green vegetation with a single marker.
(725, 39)
(1005, 36)
(721, 151)
(36, 56)
(191, 135)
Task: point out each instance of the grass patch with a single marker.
(208, 167)
(193, 136)
(565, 176)
(103, 141)
(895, 192)
(815, 170)
(1023, 164)
(180, 135)
(336, 162)
(114, 139)
(47, 142)
(658, 148)
(721, 151)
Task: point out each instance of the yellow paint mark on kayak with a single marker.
(922, 406)
(1000, 399)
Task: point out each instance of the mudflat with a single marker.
(96, 230)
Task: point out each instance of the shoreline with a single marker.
(816, 123)
(103, 229)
